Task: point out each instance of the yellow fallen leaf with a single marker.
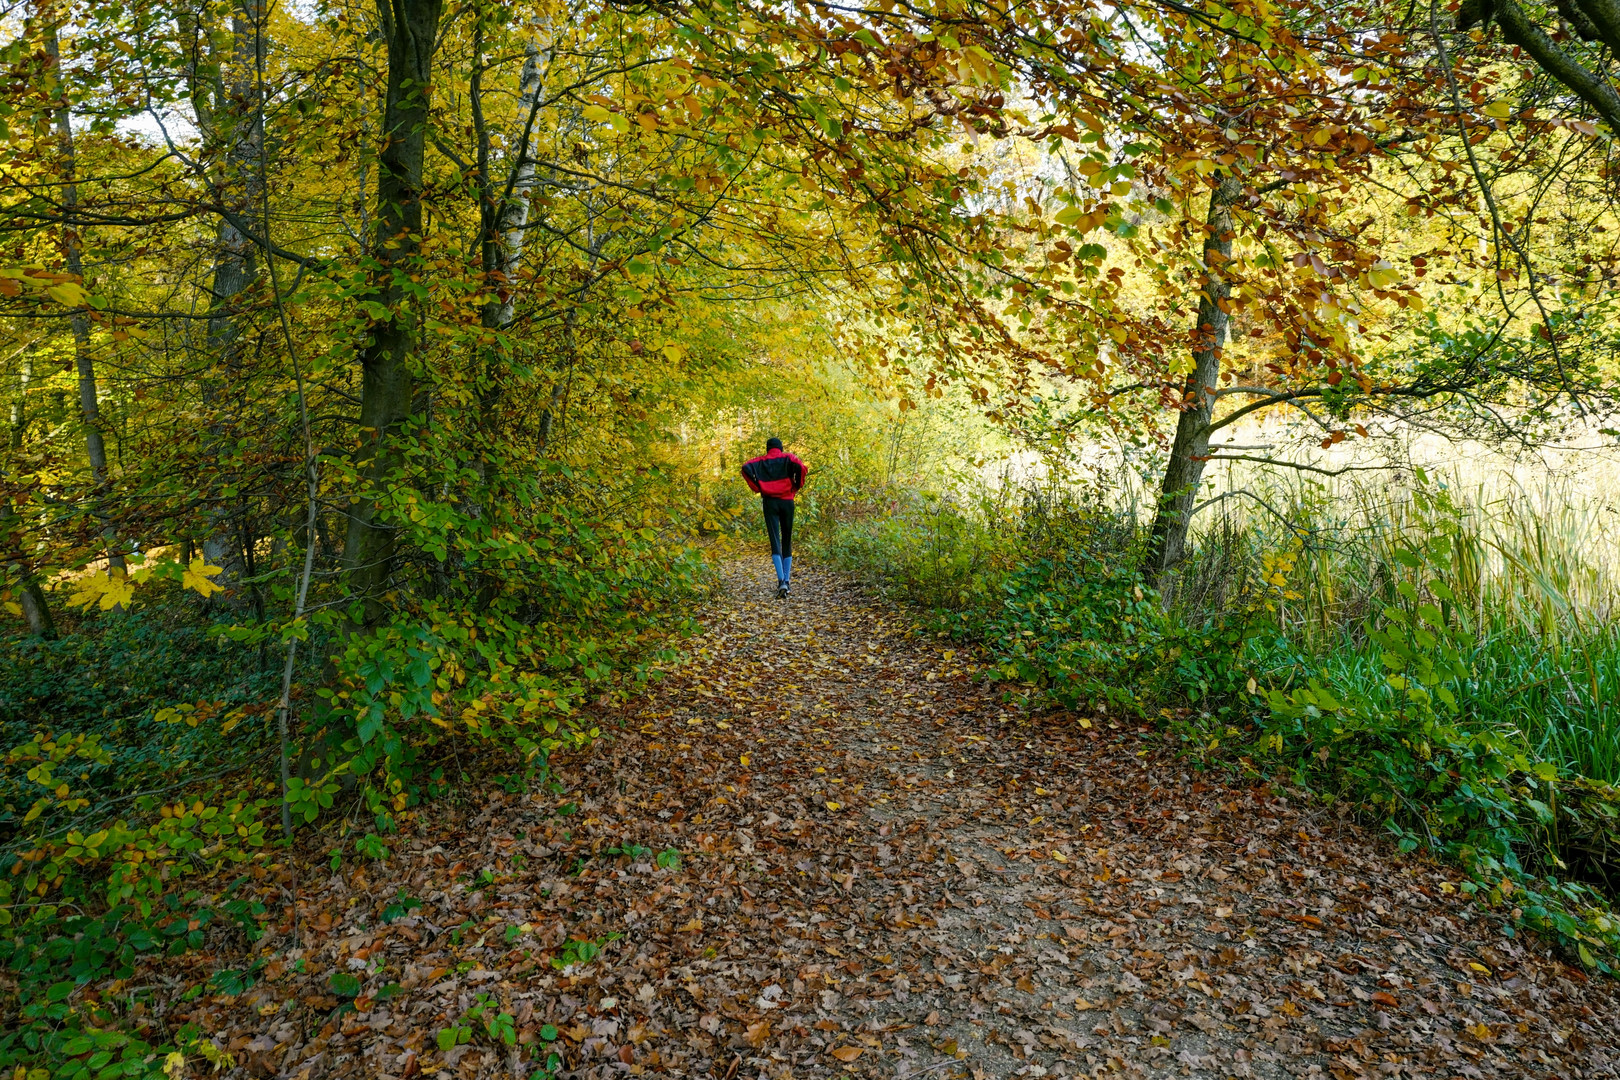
(835, 806)
(744, 760)
(1059, 856)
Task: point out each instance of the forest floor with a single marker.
(885, 870)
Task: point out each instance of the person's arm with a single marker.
(752, 483)
(804, 474)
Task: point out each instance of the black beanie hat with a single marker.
(773, 443)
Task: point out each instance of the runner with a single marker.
(776, 477)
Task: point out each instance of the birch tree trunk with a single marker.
(1178, 494)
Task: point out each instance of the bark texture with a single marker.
(1592, 20)
(1177, 495)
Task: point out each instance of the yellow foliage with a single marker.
(198, 575)
(109, 590)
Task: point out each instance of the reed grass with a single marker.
(1536, 573)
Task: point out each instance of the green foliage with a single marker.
(112, 679)
(631, 851)
(233, 981)
(1079, 626)
(1051, 584)
(486, 1018)
(940, 551)
(399, 907)
(54, 949)
(344, 984)
(1438, 771)
(579, 951)
(545, 1053)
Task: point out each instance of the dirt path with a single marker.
(886, 872)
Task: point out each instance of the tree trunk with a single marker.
(410, 29)
(89, 398)
(505, 250)
(34, 606)
(1179, 492)
(19, 405)
(504, 218)
(237, 119)
(32, 598)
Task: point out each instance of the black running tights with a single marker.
(779, 524)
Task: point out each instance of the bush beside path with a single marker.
(823, 847)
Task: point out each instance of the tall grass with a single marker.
(1536, 576)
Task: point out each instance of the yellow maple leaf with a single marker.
(107, 591)
(88, 592)
(118, 591)
(199, 576)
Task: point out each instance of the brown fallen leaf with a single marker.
(1025, 984)
(1381, 998)
(757, 1033)
(846, 1054)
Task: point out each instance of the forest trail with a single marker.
(885, 871)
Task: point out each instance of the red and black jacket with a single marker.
(777, 474)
